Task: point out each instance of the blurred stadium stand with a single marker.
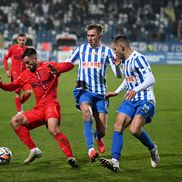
(141, 20)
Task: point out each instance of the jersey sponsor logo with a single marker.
(91, 65)
(90, 53)
(131, 79)
(43, 83)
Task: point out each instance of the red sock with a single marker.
(25, 97)
(64, 144)
(18, 103)
(25, 137)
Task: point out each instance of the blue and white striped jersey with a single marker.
(136, 70)
(93, 63)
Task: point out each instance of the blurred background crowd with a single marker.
(141, 20)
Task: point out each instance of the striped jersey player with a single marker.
(93, 63)
(138, 75)
(138, 106)
(90, 89)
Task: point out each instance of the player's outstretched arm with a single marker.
(8, 86)
(117, 91)
(65, 66)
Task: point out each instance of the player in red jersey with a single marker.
(43, 78)
(17, 66)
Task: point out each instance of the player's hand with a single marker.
(8, 74)
(117, 61)
(110, 94)
(130, 94)
(53, 70)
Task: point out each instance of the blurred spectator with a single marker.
(141, 20)
(1, 41)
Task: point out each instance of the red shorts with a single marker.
(39, 116)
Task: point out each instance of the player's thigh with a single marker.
(53, 111)
(35, 118)
(137, 123)
(122, 121)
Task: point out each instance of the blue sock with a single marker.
(146, 140)
(88, 134)
(97, 134)
(117, 144)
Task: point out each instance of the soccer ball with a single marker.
(5, 155)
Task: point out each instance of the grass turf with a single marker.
(165, 130)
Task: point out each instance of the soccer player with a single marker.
(17, 66)
(90, 89)
(43, 78)
(138, 106)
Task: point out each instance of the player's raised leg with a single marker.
(18, 123)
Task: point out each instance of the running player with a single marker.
(17, 66)
(138, 107)
(90, 89)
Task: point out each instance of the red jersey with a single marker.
(17, 65)
(43, 82)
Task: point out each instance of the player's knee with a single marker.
(134, 132)
(87, 115)
(54, 131)
(118, 126)
(15, 122)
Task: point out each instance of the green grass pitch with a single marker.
(165, 130)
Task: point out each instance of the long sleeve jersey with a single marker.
(43, 82)
(138, 77)
(15, 53)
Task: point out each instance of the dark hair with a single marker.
(21, 35)
(98, 27)
(29, 52)
(121, 38)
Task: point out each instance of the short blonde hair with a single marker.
(96, 26)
